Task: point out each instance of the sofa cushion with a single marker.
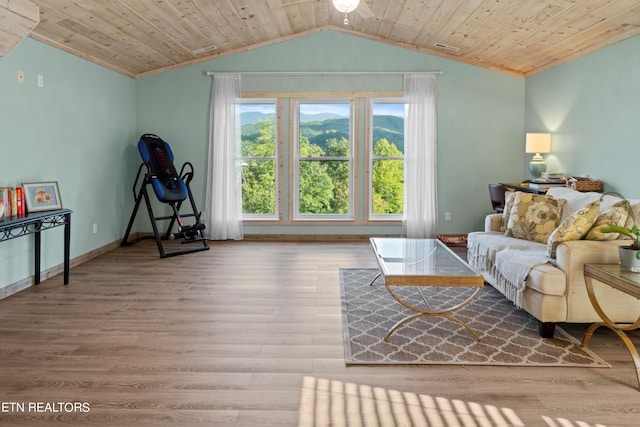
(615, 215)
(506, 260)
(575, 227)
(547, 279)
(534, 216)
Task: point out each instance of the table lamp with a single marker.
(537, 143)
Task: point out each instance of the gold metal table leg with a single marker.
(618, 328)
(420, 312)
(375, 278)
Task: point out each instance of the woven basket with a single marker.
(453, 240)
(584, 185)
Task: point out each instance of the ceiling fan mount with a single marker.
(348, 6)
(344, 6)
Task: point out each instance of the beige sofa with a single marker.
(554, 289)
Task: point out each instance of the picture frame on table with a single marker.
(42, 196)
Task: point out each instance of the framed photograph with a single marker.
(41, 196)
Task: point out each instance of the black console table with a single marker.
(34, 223)
(522, 187)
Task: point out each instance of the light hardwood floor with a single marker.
(229, 336)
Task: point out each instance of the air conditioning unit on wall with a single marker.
(17, 19)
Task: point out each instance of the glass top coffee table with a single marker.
(420, 263)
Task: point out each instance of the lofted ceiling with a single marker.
(521, 37)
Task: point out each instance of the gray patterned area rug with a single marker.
(509, 337)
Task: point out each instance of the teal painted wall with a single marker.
(592, 107)
(82, 127)
(74, 130)
(480, 115)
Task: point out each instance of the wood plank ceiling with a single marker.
(521, 37)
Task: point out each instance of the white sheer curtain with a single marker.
(223, 211)
(420, 219)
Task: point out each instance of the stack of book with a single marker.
(12, 202)
(547, 181)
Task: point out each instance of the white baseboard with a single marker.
(27, 282)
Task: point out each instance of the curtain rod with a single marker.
(324, 73)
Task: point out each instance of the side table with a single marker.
(34, 223)
(624, 281)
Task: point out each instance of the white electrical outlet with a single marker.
(447, 216)
(20, 76)
(40, 80)
(95, 228)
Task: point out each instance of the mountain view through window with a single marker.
(387, 158)
(323, 159)
(259, 155)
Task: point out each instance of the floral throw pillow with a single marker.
(508, 204)
(615, 215)
(534, 216)
(575, 227)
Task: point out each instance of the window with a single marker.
(323, 159)
(386, 159)
(316, 176)
(259, 159)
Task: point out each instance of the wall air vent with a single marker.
(204, 49)
(446, 47)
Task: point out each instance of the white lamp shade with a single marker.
(345, 6)
(538, 143)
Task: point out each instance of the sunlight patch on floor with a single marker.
(343, 404)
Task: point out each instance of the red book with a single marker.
(19, 207)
